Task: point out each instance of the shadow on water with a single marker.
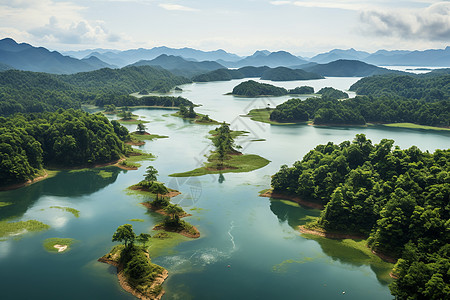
(349, 252)
(65, 184)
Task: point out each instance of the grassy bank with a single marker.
(263, 115)
(236, 164)
(147, 137)
(199, 119)
(21, 227)
(415, 126)
(73, 211)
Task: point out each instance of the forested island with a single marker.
(27, 92)
(226, 158)
(396, 198)
(31, 142)
(252, 88)
(425, 103)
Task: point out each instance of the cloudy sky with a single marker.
(239, 26)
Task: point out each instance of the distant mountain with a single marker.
(179, 66)
(286, 74)
(438, 58)
(28, 58)
(86, 53)
(348, 68)
(97, 63)
(261, 58)
(123, 58)
(336, 54)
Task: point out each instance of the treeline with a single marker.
(64, 138)
(275, 74)
(127, 100)
(252, 88)
(430, 87)
(398, 198)
(22, 91)
(362, 109)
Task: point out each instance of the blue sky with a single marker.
(239, 26)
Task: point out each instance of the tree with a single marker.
(183, 111)
(174, 211)
(150, 174)
(125, 234)
(143, 238)
(141, 128)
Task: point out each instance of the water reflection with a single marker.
(64, 184)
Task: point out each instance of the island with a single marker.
(135, 271)
(226, 158)
(379, 193)
(252, 88)
(161, 204)
(191, 115)
(58, 245)
(286, 74)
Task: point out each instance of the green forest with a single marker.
(397, 198)
(26, 92)
(430, 87)
(363, 109)
(63, 138)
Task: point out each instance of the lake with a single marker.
(249, 247)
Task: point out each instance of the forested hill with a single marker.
(348, 68)
(398, 198)
(64, 138)
(252, 88)
(24, 91)
(433, 86)
(275, 74)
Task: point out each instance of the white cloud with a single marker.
(432, 23)
(169, 6)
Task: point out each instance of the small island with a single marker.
(161, 204)
(135, 271)
(226, 158)
(58, 245)
(191, 115)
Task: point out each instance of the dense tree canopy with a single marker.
(67, 138)
(431, 87)
(399, 198)
(22, 91)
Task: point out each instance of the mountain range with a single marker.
(190, 62)
(38, 59)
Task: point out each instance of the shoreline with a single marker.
(341, 236)
(128, 288)
(296, 199)
(160, 210)
(24, 184)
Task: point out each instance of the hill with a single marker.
(348, 68)
(261, 58)
(28, 58)
(337, 54)
(252, 89)
(180, 66)
(286, 74)
(431, 57)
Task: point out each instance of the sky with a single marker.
(237, 26)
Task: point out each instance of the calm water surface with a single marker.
(255, 236)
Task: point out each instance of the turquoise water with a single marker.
(254, 236)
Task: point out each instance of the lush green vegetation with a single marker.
(226, 158)
(362, 109)
(49, 244)
(431, 87)
(20, 227)
(302, 90)
(286, 74)
(23, 91)
(63, 138)
(190, 114)
(137, 267)
(263, 115)
(252, 88)
(3, 204)
(128, 100)
(73, 211)
(332, 93)
(399, 198)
